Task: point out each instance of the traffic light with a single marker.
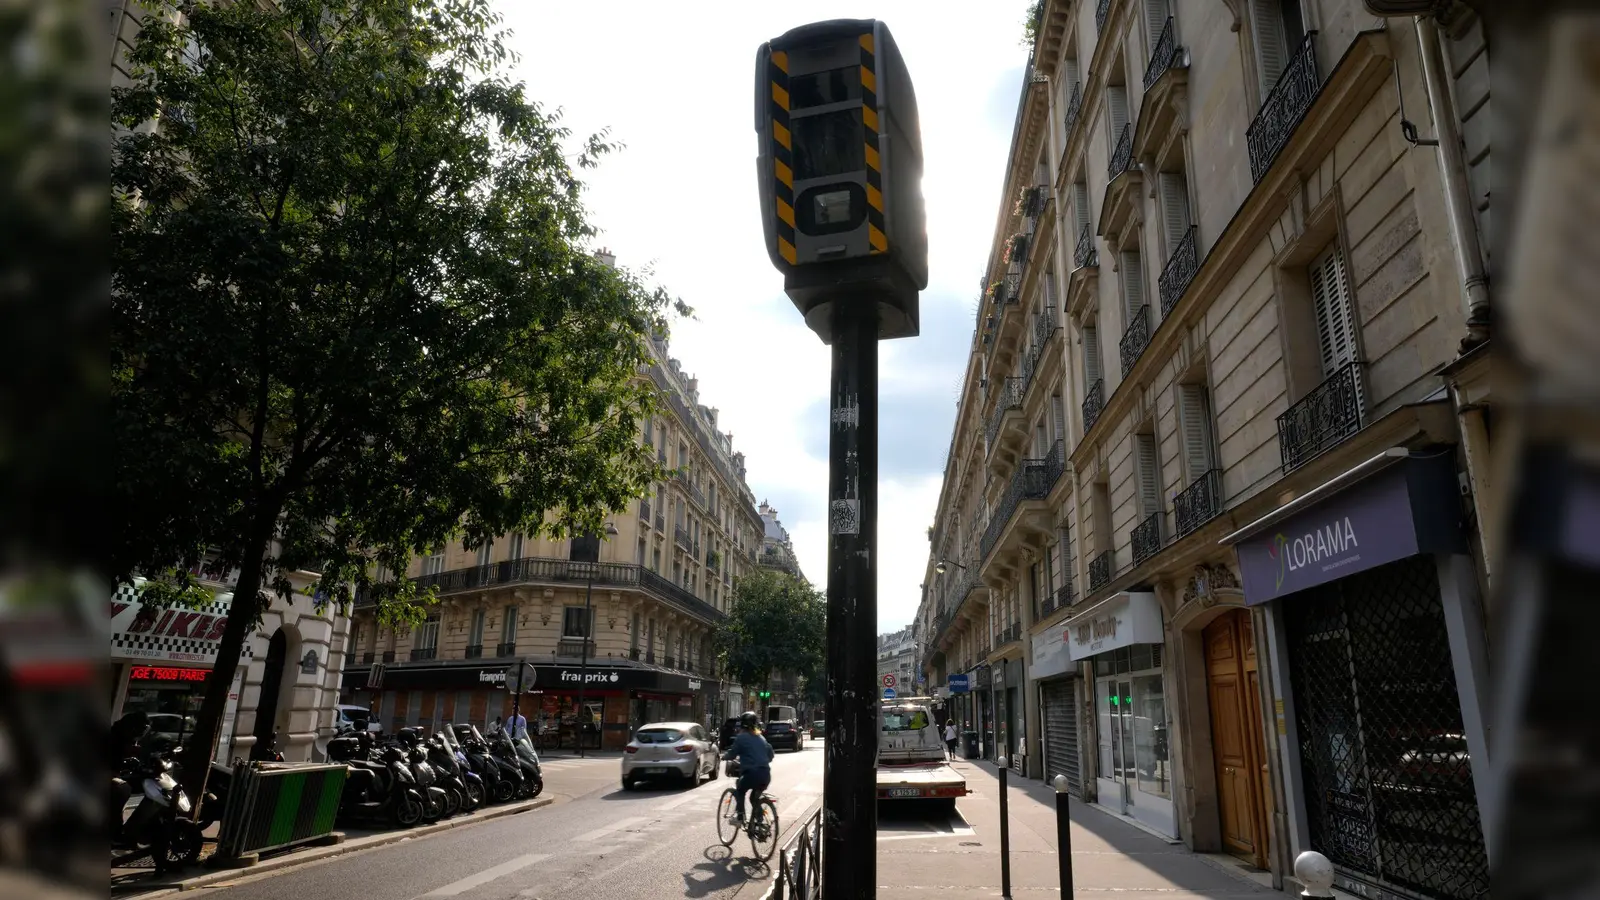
(840, 173)
(765, 694)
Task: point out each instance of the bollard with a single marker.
(1063, 834)
(1315, 872)
(1005, 833)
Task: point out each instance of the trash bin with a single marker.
(970, 741)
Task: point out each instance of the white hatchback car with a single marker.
(681, 751)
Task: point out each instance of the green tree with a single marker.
(776, 623)
(353, 313)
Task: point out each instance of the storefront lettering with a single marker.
(1333, 539)
(591, 677)
(492, 677)
(167, 673)
(173, 623)
(1097, 629)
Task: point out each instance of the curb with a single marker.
(362, 843)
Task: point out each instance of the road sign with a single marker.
(888, 680)
(888, 693)
(959, 684)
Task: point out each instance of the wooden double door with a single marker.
(1237, 744)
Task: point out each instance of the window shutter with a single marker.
(1070, 78)
(1174, 208)
(1330, 293)
(1149, 479)
(1091, 355)
(1117, 103)
(1080, 204)
(1059, 417)
(1266, 24)
(1155, 18)
(1195, 413)
(1132, 282)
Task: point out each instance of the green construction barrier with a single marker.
(276, 805)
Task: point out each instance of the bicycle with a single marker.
(762, 825)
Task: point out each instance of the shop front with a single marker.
(983, 708)
(1122, 638)
(1372, 604)
(615, 699)
(1054, 676)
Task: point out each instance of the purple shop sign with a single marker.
(1408, 508)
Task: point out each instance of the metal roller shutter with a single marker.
(1059, 701)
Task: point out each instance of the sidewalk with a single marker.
(1108, 855)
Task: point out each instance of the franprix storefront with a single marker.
(1122, 637)
(1377, 646)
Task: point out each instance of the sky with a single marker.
(675, 84)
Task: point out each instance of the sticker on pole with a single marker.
(888, 693)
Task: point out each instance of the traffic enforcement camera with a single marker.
(840, 173)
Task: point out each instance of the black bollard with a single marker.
(1005, 833)
(1063, 835)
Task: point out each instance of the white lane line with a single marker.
(486, 876)
(609, 829)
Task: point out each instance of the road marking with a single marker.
(486, 876)
(609, 829)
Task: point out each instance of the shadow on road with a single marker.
(722, 869)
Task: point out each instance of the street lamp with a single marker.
(588, 634)
(944, 565)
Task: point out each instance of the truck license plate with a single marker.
(905, 792)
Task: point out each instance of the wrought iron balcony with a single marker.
(691, 489)
(670, 662)
(661, 520)
(1198, 503)
(1135, 338)
(634, 653)
(1100, 571)
(1033, 200)
(1101, 10)
(1164, 56)
(680, 536)
(1044, 328)
(1146, 538)
(474, 651)
(505, 649)
(1085, 254)
(1010, 633)
(1074, 107)
(1010, 397)
(1033, 480)
(1321, 419)
(388, 656)
(368, 657)
(1094, 400)
(1180, 270)
(574, 647)
(1286, 104)
(713, 561)
(1121, 152)
(1058, 599)
(644, 511)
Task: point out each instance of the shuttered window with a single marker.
(1149, 476)
(1080, 206)
(1091, 355)
(1276, 29)
(1117, 105)
(1174, 208)
(1194, 415)
(1330, 294)
(1132, 272)
(1058, 418)
(1155, 19)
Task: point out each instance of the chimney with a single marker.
(713, 412)
(606, 258)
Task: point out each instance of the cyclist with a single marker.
(755, 762)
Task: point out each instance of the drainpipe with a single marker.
(1457, 193)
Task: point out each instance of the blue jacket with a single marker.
(752, 751)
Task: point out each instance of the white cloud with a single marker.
(676, 84)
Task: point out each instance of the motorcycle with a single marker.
(161, 826)
(436, 801)
(509, 754)
(501, 781)
(451, 764)
(380, 787)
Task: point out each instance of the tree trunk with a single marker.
(241, 618)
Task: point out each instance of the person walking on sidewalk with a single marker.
(950, 735)
(517, 726)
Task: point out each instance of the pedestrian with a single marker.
(950, 735)
(517, 726)
(496, 727)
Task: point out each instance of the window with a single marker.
(1174, 191)
(1091, 355)
(426, 637)
(1276, 29)
(508, 627)
(475, 634)
(1194, 417)
(515, 550)
(1149, 475)
(655, 560)
(1156, 13)
(1117, 109)
(486, 553)
(434, 564)
(585, 548)
(1080, 205)
(576, 622)
(1132, 272)
(1330, 294)
(642, 550)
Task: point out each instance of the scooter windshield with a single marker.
(525, 750)
(451, 740)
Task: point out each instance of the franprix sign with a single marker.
(502, 676)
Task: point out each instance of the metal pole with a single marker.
(1063, 835)
(516, 699)
(850, 814)
(1005, 832)
(583, 667)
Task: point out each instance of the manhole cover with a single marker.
(970, 844)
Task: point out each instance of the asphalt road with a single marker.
(596, 841)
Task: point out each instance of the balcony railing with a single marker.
(644, 511)
(1180, 270)
(670, 662)
(680, 536)
(1094, 400)
(1010, 397)
(1074, 107)
(690, 488)
(388, 656)
(661, 520)
(1121, 152)
(1101, 10)
(1033, 480)
(574, 647)
(505, 649)
(1011, 292)
(713, 562)
(368, 657)
(474, 651)
(1044, 328)
(1033, 201)
(543, 570)
(1100, 571)
(1010, 633)
(1135, 338)
(1059, 599)
(1198, 503)
(1286, 104)
(1146, 538)
(1085, 254)
(1322, 418)
(1163, 56)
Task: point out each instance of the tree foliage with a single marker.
(354, 316)
(776, 623)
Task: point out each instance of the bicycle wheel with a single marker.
(764, 831)
(727, 825)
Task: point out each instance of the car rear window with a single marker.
(905, 720)
(658, 735)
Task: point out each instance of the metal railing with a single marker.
(388, 656)
(692, 489)
(713, 561)
(474, 651)
(644, 511)
(680, 536)
(1009, 634)
(545, 570)
(421, 654)
(1085, 254)
(1033, 201)
(1135, 338)
(1179, 271)
(1074, 108)
(1146, 538)
(1009, 398)
(368, 657)
(574, 647)
(661, 520)
(670, 662)
(1331, 412)
(504, 649)
(1163, 56)
(1032, 481)
(799, 872)
(1044, 328)
(1094, 401)
(1100, 571)
(1285, 105)
(1012, 292)
(1121, 152)
(1101, 10)
(1058, 599)
(1198, 503)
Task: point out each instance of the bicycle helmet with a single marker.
(749, 721)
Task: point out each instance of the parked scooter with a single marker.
(453, 770)
(501, 781)
(510, 754)
(378, 790)
(437, 802)
(160, 826)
